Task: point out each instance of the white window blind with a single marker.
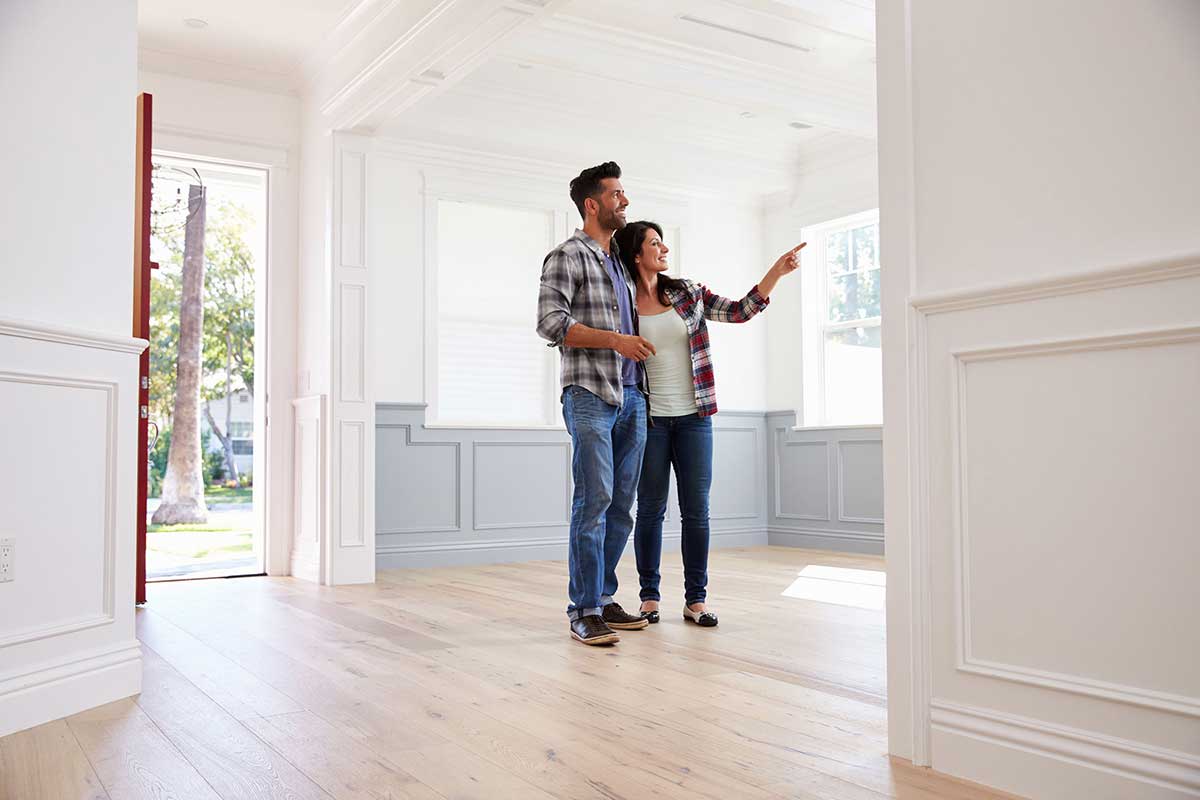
(492, 368)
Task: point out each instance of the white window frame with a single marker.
(815, 325)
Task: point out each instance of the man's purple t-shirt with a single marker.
(629, 367)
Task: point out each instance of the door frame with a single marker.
(275, 360)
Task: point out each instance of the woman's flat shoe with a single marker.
(650, 616)
(705, 619)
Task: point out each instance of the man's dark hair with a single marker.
(629, 244)
(588, 183)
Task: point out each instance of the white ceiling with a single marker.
(260, 43)
(679, 97)
(687, 86)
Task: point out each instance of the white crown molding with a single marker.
(1168, 769)
(77, 337)
(1071, 283)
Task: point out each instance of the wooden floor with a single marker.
(463, 683)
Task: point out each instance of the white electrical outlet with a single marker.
(7, 546)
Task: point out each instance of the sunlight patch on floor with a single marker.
(860, 588)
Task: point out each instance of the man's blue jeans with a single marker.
(606, 464)
(684, 443)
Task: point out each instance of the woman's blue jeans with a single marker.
(685, 444)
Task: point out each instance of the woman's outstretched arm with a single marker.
(723, 309)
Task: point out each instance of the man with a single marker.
(587, 308)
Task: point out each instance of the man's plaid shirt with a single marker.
(695, 303)
(576, 289)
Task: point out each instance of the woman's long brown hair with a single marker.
(629, 243)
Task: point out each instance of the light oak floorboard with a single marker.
(462, 682)
(46, 763)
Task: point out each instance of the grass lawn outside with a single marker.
(222, 545)
(220, 494)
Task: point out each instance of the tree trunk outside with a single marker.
(226, 437)
(183, 485)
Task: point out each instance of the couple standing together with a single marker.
(638, 399)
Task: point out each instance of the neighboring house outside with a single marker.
(240, 424)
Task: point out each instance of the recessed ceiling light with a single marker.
(800, 126)
(746, 114)
(524, 66)
(195, 22)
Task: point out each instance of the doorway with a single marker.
(206, 412)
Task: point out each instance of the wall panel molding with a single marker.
(485, 531)
(841, 481)
(307, 560)
(1071, 283)
(478, 479)
(967, 661)
(352, 366)
(830, 527)
(1136, 306)
(1168, 769)
(456, 524)
(77, 337)
(105, 615)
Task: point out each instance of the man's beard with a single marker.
(612, 221)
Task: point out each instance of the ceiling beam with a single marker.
(386, 55)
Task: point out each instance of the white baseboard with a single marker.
(500, 551)
(1155, 771)
(844, 541)
(68, 685)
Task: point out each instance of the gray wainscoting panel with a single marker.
(802, 483)
(826, 486)
(737, 473)
(521, 485)
(447, 495)
(860, 481)
(417, 483)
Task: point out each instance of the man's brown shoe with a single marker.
(615, 617)
(592, 630)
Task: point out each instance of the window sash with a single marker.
(816, 324)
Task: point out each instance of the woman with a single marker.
(672, 314)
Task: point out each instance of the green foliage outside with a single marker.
(228, 333)
(852, 258)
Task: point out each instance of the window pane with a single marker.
(837, 252)
(866, 248)
(243, 447)
(854, 295)
(853, 376)
(241, 430)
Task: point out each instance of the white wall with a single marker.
(68, 85)
(838, 189)
(226, 123)
(1039, 392)
(51, 86)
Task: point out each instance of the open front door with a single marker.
(141, 321)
